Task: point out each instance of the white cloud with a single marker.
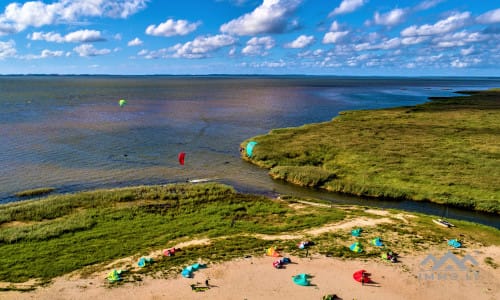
(451, 23)
(200, 47)
(459, 64)
(413, 40)
(391, 18)
(135, 42)
(410, 65)
(49, 53)
(428, 4)
(46, 54)
(459, 39)
(258, 46)
(7, 49)
(347, 6)
(18, 17)
(301, 42)
(384, 45)
(492, 16)
(269, 64)
(80, 36)
(271, 16)
(334, 36)
(89, 50)
(467, 51)
(172, 27)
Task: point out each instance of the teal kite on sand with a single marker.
(187, 272)
(454, 243)
(302, 279)
(356, 247)
(376, 242)
(250, 147)
(356, 232)
(144, 261)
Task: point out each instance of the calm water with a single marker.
(69, 132)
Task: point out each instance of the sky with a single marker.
(313, 37)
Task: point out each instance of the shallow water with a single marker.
(69, 132)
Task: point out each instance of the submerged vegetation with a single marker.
(445, 151)
(45, 238)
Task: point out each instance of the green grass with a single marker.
(445, 151)
(56, 235)
(45, 238)
(35, 192)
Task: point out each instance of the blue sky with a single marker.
(334, 37)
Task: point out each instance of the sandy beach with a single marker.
(256, 278)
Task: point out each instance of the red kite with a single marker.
(182, 155)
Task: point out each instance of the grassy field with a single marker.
(45, 238)
(445, 151)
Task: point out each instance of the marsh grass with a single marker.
(62, 233)
(445, 151)
(35, 192)
(88, 231)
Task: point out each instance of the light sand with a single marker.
(255, 278)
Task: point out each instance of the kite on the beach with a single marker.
(356, 247)
(122, 102)
(182, 156)
(187, 272)
(377, 242)
(144, 261)
(301, 279)
(250, 147)
(362, 276)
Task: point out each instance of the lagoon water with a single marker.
(68, 132)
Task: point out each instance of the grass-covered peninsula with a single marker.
(445, 151)
(90, 232)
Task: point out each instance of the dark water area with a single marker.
(68, 132)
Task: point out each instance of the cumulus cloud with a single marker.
(271, 16)
(335, 34)
(135, 42)
(347, 6)
(386, 44)
(391, 18)
(200, 47)
(490, 17)
(7, 49)
(172, 27)
(301, 42)
(428, 4)
(451, 23)
(17, 17)
(258, 46)
(413, 40)
(458, 39)
(467, 51)
(459, 64)
(89, 50)
(80, 36)
(268, 64)
(46, 54)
